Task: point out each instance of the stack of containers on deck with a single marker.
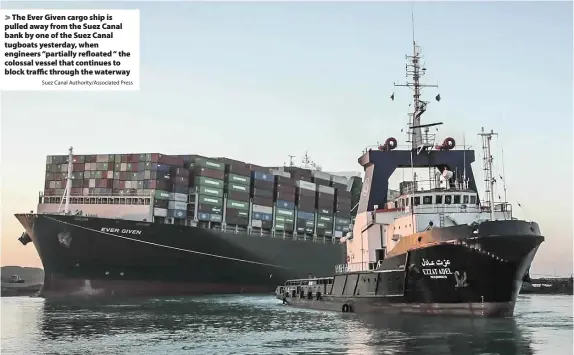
(207, 177)
(325, 203)
(284, 198)
(97, 174)
(342, 205)
(305, 201)
(56, 171)
(177, 205)
(146, 173)
(262, 190)
(237, 188)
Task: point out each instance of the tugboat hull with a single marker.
(476, 277)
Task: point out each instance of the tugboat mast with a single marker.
(415, 72)
(487, 166)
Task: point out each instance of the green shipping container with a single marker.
(282, 212)
(210, 200)
(283, 219)
(240, 205)
(340, 221)
(204, 190)
(161, 195)
(243, 180)
(209, 164)
(203, 181)
(231, 186)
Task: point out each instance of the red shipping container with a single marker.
(123, 158)
(76, 190)
(86, 183)
(154, 157)
(152, 184)
(122, 185)
(78, 167)
(135, 166)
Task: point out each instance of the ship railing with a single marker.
(104, 194)
(353, 267)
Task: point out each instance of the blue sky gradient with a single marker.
(259, 81)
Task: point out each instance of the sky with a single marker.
(260, 81)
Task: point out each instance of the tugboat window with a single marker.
(427, 200)
(456, 199)
(438, 199)
(448, 199)
(417, 200)
(465, 199)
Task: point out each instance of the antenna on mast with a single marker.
(414, 72)
(487, 163)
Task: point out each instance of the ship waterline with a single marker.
(104, 256)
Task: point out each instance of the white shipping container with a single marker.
(321, 175)
(86, 191)
(123, 167)
(339, 179)
(256, 223)
(281, 173)
(87, 166)
(92, 183)
(326, 189)
(52, 184)
(110, 174)
(338, 234)
(102, 158)
(64, 168)
(262, 209)
(306, 185)
(178, 197)
(177, 205)
(160, 212)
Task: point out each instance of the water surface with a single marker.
(261, 325)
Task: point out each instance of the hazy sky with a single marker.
(259, 81)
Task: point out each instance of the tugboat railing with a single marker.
(353, 267)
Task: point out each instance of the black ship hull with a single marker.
(100, 256)
(478, 276)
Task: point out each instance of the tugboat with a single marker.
(436, 248)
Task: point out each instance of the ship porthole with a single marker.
(122, 273)
(107, 272)
(420, 239)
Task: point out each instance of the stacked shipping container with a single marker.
(262, 190)
(237, 188)
(325, 203)
(207, 178)
(315, 202)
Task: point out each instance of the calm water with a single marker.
(261, 325)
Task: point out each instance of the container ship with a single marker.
(156, 224)
(435, 249)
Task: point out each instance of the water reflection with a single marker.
(405, 334)
(261, 325)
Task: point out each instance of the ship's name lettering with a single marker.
(122, 231)
(433, 272)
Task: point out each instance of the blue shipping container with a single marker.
(285, 204)
(163, 168)
(257, 175)
(179, 214)
(211, 217)
(203, 216)
(257, 216)
(306, 215)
